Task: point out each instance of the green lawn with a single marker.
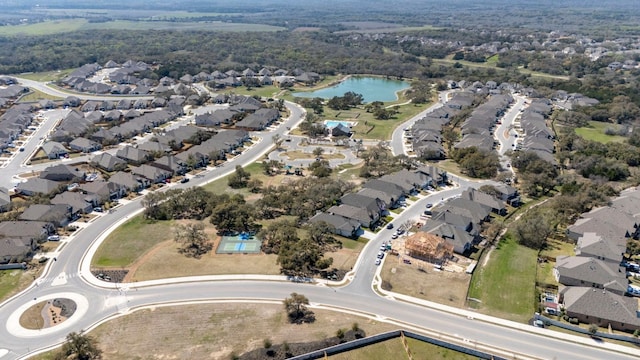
(36, 95)
(506, 286)
(131, 240)
(596, 132)
(47, 75)
(393, 349)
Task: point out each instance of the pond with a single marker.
(371, 89)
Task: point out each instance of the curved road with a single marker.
(66, 277)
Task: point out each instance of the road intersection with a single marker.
(100, 301)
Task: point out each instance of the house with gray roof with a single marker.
(365, 217)
(153, 174)
(395, 192)
(601, 307)
(341, 225)
(84, 145)
(607, 228)
(133, 155)
(54, 150)
(103, 136)
(495, 205)
(365, 202)
(154, 147)
(381, 196)
(128, 181)
(37, 186)
(586, 271)
(16, 250)
(470, 209)
(109, 162)
(461, 239)
(437, 176)
(36, 230)
(170, 163)
(104, 190)
(593, 245)
(62, 172)
(59, 215)
(80, 203)
(259, 120)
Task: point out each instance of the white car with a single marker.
(378, 261)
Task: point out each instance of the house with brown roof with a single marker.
(428, 247)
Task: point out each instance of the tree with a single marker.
(194, 242)
(239, 179)
(593, 329)
(320, 168)
(317, 152)
(79, 347)
(296, 307)
(254, 185)
(277, 140)
(151, 203)
(533, 228)
(233, 215)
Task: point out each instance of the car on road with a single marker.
(53, 238)
(21, 149)
(98, 209)
(383, 247)
(429, 205)
(400, 231)
(389, 226)
(394, 236)
(378, 261)
(380, 255)
(184, 180)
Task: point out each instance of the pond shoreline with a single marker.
(374, 90)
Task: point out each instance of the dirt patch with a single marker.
(32, 318)
(47, 314)
(425, 282)
(216, 331)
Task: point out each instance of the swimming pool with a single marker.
(333, 123)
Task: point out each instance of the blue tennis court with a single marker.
(239, 243)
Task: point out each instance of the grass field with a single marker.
(47, 75)
(393, 349)
(63, 26)
(596, 132)
(129, 241)
(505, 287)
(36, 95)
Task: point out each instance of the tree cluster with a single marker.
(301, 198)
(379, 161)
(192, 203)
(239, 179)
(538, 176)
(477, 163)
(345, 102)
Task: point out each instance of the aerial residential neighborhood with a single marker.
(319, 180)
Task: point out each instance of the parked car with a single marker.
(53, 238)
(378, 261)
(98, 209)
(389, 226)
(380, 255)
(429, 205)
(184, 180)
(394, 236)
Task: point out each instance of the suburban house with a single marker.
(104, 190)
(84, 145)
(37, 186)
(507, 193)
(59, 215)
(154, 147)
(259, 120)
(438, 177)
(428, 247)
(133, 155)
(103, 136)
(80, 203)
(170, 163)
(342, 226)
(601, 307)
(365, 217)
(395, 192)
(488, 201)
(467, 208)
(584, 271)
(128, 181)
(459, 238)
(54, 150)
(365, 202)
(385, 199)
(593, 245)
(63, 172)
(153, 174)
(16, 250)
(411, 180)
(108, 162)
(36, 230)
